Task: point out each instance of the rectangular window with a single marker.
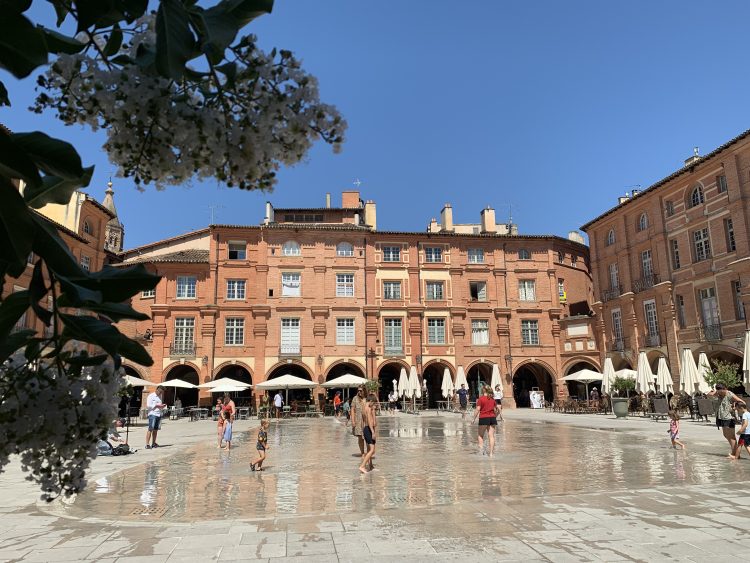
(185, 287)
(393, 340)
(574, 261)
(148, 293)
(669, 208)
(530, 333)
(391, 254)
(86, 263)
(478, 291)
(561, 288)
(235, 289)
(709, 307)
(291, 285)
(480, 333)
(434, 290)
(435, 331)
(675, 251)
(290, 336)
(614, 276)
(680, 300)
(391, 290)
(729, 232)
(476, 256)
(184, 334)
(234, 332)
(721, 183)
(739, 306)
(345, 331)
(617, 328)
(701, 245)
(527, 290)
(344, 285)
(433, 254)
(237, 251)
(647, 267)
(652, 323)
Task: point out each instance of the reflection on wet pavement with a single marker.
(421, 461)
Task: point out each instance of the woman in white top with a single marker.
(498, 396)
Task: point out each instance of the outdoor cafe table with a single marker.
(197, 413)
(243, 413)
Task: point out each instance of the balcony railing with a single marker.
(653, 340)
(646, 282)
(711, 333)
(612, 293)
(182, 349)
(289, 350)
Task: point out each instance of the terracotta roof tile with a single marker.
(191, 255)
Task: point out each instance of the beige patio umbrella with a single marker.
(178, 383)
(286, 382)
(703, 369)
(137, 381)
(644, 377)
(447, 385)
(585, 376)
(224, 382)
(496, 379)
(663, 377)
(608, 376)
(746, 363)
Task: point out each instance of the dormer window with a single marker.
(696, 197)
(524, 254)
(611, 237)
(291, 248)
(344, 249)
(643, 222)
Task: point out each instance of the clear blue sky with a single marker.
(555, 108)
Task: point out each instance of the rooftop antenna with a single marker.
(510, 214)
(213, 209)
(357, 182)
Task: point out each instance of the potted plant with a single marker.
(620, 404)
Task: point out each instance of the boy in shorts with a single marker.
(369, 432)
(743, 435)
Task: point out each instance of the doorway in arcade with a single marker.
(188, 397)
(433, 382)
(389, 373)
(529, 377)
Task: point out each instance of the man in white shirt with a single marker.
(278, 402)
(155, 404)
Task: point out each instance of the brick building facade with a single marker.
(321, 292)
(671, 266)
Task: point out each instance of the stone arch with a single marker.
(130, 369)
(187, 372)
(653, 359)
(223, 365)
(621, 362)
(576, 388)
(529, 375)
(240, 372)
(387, 372)
(334, 367)
(432, 376)
(566, 370)
(476, 371)
(297, 363)
(173, 365)
(299, 369)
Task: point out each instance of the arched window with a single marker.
(561, 257)
(344, 249)
(611, 237)
(696, 198)
(86, 227)
(643, 222)
(524, 254)
(291, 248)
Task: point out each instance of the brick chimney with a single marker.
(350, 199)
(446, 218)
(488, 220)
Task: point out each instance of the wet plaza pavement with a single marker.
(554, 491)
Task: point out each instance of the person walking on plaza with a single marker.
(229, 406)
(743, 434)
(220, 424)
(487, 413)
(724, 419)
(356, 415)
(369, 433)
(337, 405)
(498, 396)
(261, 446)
(463, 400)
(227, 437)
(346, 407)
(155, 405)
(278, 402)
(674, 429)
(392, 402)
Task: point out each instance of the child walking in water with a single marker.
(674, 429)
(220, 427)
(261, 446)
(743, 434)
(227, 429)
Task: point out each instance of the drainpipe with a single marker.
(215, 299)
(367, 355)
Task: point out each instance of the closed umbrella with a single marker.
(688, 372)
(461, 378)
(416, 388)
(703, 369)
(663, 377)
(746, 363)
(447, 385)
(403, 383)
(495, 380)
(608, 377)
(644, 377)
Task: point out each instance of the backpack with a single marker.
(121, 449)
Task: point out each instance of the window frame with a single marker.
(697, 196)
(345, 287)
(237, 330)
(436, 334)
(430, 257)
(187, 285)
(527, 292)
(392, 283)
(346, 327)
(616, 316)
(291, 248)
(729, 234)
(290, 323)
(702, 247)
(431, 285)
(392, 323)
(611, 239)
(344, 249)
(237, 243)
(643, 222)
(478, 330)
(739, 306)
(530, 329)
(85, 262)
(87, 228)
(669, 208)
(647, 263)
(674, 253)
(299, 284)
(391, 254)
(478, 298)
(680, 305)
(148, 293)
(721, 183)
(524, 254)
(238, 283)
(475, 255)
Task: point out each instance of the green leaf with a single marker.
(75, 295)
(133, 9)
(217, 31)
(59, 43)
(61, 9)
(14, 342)
(38, 291)
(122, 60)
(56, 254)
(12, 309)
(120, 284)
(22, 46)
(17, 229)
(117, 312)
(91, 330)
(175, 43)
(245, 11)
(53, 156)
(114, 42)
(15, 163)
(57, 190)
(4, 99)
(17, 6)
(229, 70)
(132, 350)
(97, 14)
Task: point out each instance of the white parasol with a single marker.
(688, 372)
(703, 369)
(663, 377)
(585, 376)
(346, 380)
(461, 378)
(447, 386)
(224, 381)
(746, 363)
(403, 383)
(644, 378)
(414, 386)
(608, 377)
(177, 383)
(286, 382)
(137, 381)
(496, 380)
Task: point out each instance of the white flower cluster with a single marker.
(53, 418)
(237, 123)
